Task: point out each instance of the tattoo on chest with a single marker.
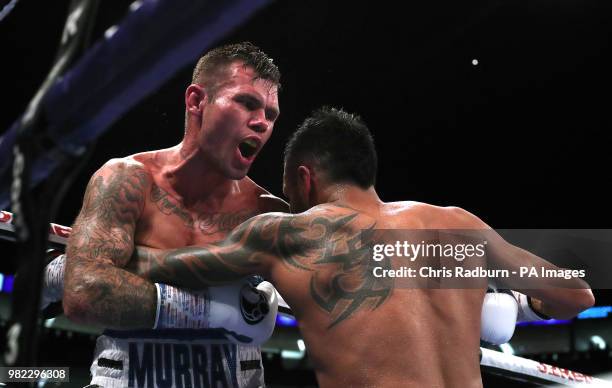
(209, 223)
(205, 223)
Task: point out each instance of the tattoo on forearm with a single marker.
(333, 248)
(145, 260)
(120, 300)
(194, 267)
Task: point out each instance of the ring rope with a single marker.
(7, 9)
(492, 361)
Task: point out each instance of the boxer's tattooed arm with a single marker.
(96, 290)
(329, 248)
(250, 248)
(144, 260)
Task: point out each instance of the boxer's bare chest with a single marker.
(167, 223)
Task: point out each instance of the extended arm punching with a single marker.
(327, 240)
(251, 248)
(553, 297)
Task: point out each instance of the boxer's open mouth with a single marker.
(248, 148)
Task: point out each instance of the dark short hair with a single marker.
(339, 142)
(214, 62)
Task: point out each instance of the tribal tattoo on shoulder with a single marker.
(333, 248)
(350, 286)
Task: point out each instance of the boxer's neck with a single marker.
(194, 179)
(351, 195)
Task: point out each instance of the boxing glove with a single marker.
(53, 285)
(498, 316)
(244, 312)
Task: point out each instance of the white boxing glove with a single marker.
(254, 320)
(53, 280)
(498, 317)
(247, 314)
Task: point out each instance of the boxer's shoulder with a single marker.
(414, 206)
(272, 203)
(119, 178)
(127, 167)
(335, 216)
(433, 216)
(135, 171)
(459, 218)
(266, 202)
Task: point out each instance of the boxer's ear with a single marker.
(304, 178)
(305, 183)
(195, 97)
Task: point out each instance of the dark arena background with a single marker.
(501, 107)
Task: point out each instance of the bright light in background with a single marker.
(110, 31)
(598, 342)
(506, 348)
(49, 322)
(301, 345)
(286, 321)
(546, 323)
(6, 283)
(292, 354)
(595, 312)
(135, 5)
(474, 61)
(295, 354)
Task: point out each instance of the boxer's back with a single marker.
(366, 331)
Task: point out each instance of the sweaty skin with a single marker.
(360, 331)
(192, 194)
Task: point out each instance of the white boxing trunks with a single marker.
(176, 358)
